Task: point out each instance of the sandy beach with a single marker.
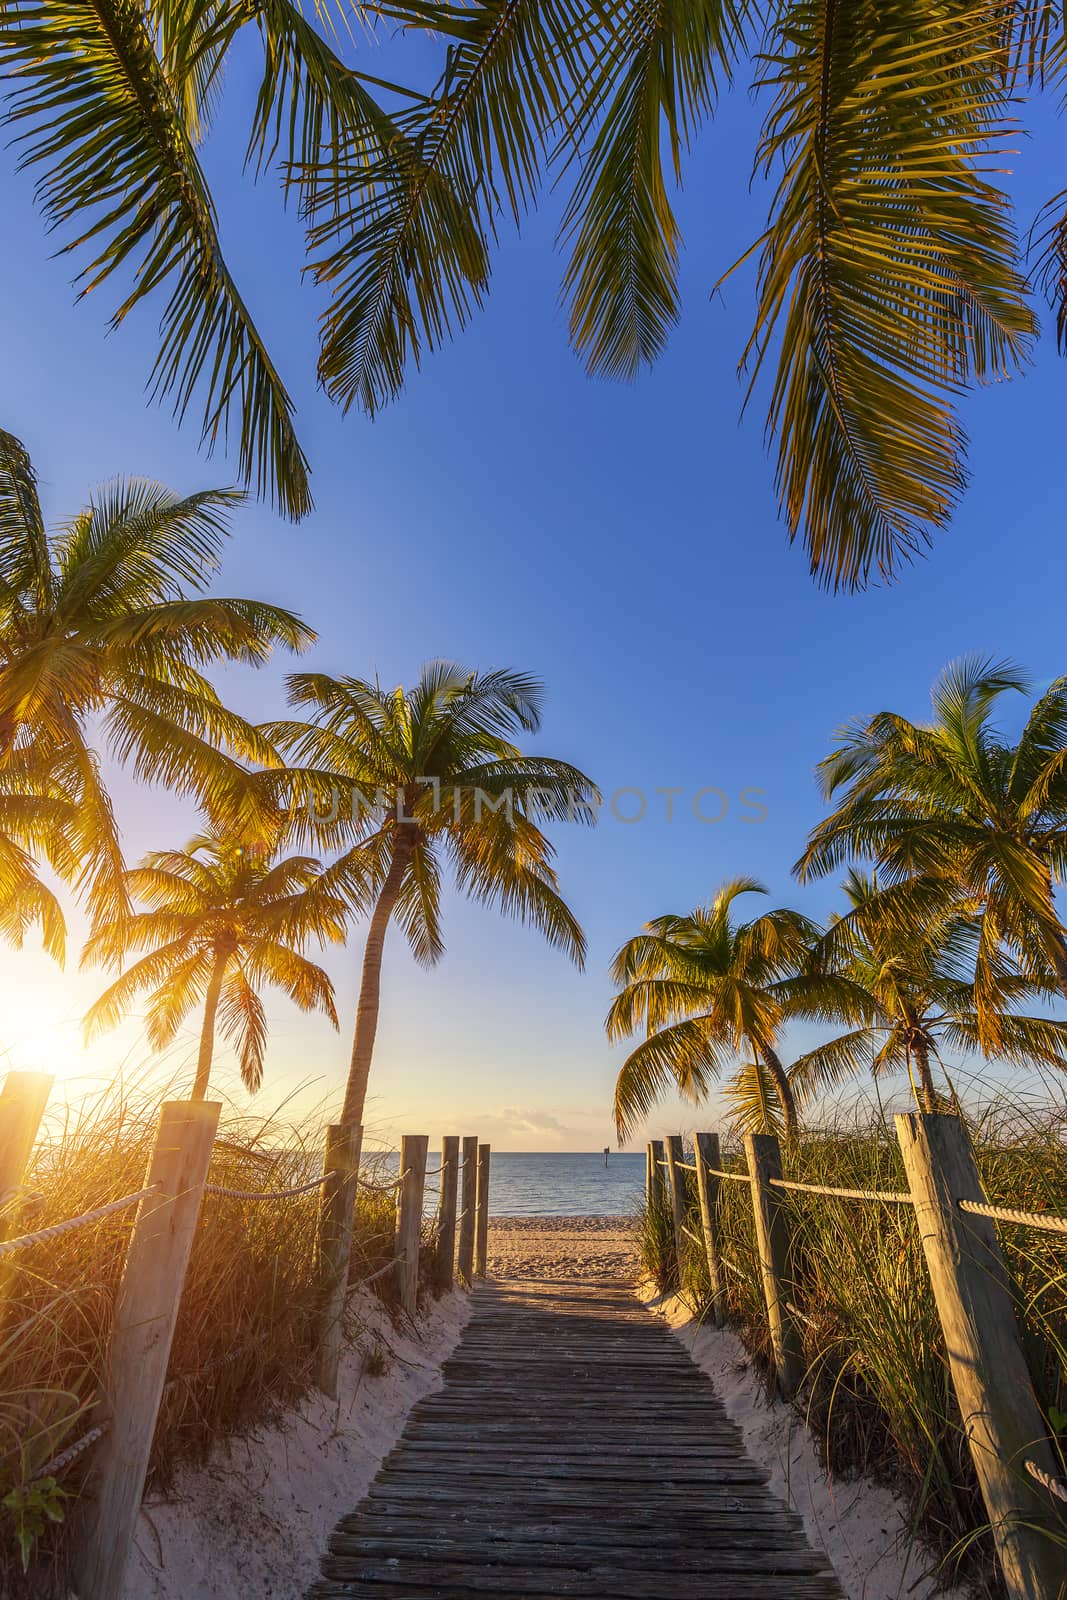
(561, 1247)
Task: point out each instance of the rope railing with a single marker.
(1021, 1219)
(361, 1283)
(378, 1188)
(896, 1197)
(263, 1194)
(1055, 1486)
(734, 1177)
(57, 1229)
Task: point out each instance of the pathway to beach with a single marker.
(574, 1449)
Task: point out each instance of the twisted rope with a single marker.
(734, 1177)
(361, 1283)
(1023, 1219)
(890, 1196)
(63, 1460)
(1055, 1486)
(378, 1188)
(24, 1240)
(263, 1194)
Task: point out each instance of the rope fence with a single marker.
(133, 1377)
(896, 1197)
(983, 1344)
(58, 1229)
(1055, 1486)
(264, 1194)
(1021, 1219)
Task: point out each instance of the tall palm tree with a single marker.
(706, 988)
(223, 921)
(427, 774)
(888, 270)
(955, 806)
(107, 620)
(917, 971)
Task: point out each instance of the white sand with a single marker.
(862, 1527)
(253, 1523)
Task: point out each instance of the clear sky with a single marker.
(622, 542)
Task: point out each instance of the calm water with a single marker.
(522, 1184)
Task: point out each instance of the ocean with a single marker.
(554, 1184)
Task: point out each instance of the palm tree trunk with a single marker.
(786, 1097)
(370, 982)
(927, 1092)
(207, 1032)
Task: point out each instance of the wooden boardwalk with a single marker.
(575, 1449)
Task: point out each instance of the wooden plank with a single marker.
(467, 1205)
(574, 1450)
(146, 1310)
(772, 1237)
(706, 1154)
(481, 1232)
(1001, 1418)
(444, 1266)
(340, 1168)
(413, 1151)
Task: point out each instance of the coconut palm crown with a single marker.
(975, 818)
(106, 623)
(916, 965)
(707, 988)
(224, 920)
(424, 777)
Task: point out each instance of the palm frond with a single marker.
(888, 275)
(98, 119)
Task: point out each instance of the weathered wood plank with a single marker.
(574, 1450)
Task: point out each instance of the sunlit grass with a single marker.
(244, 1342)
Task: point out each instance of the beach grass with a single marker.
(877, 1392)
(244, 1342)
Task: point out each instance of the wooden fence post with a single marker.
(656, 1162)
(706, 1154)
(675, 1153)
(468, 1204)
(1001, 1419)
(340, 1168)
(22, 1102)
(772, 1240)
(482, 1250)
(413, 1148)
(446, 1212)
(145, 1313)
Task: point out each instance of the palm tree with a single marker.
(954, 806)
(223, 920)
(423, 774)
(917, 971)
(705, 988)
(888, 270)
(107, 620)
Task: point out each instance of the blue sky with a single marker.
(620, 541)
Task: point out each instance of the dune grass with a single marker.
(244, 1342)
(877, 1393)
